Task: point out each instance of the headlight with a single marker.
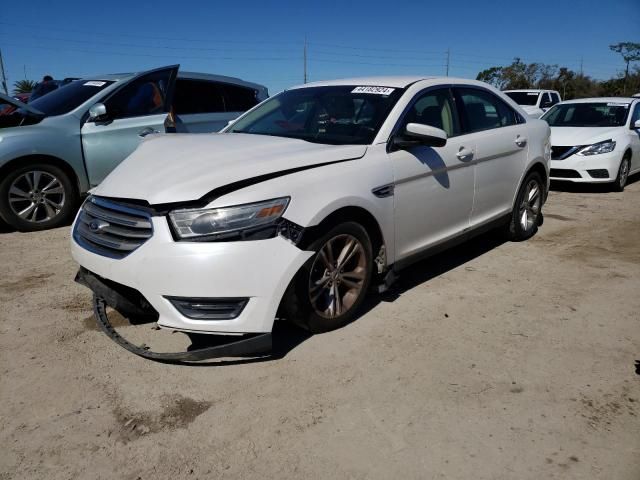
(597, 148)
(197, 222)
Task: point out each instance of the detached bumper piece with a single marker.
(130, 303)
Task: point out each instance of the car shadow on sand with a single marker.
(286, 336)
(6, 228)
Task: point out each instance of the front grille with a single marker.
(561, 152)
(564, 173)
(110, 228)
(599, 173)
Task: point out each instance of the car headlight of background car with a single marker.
(597, 148)
(226, 222)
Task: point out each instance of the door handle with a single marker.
(147, 131)
(520, 141)
(464, 154)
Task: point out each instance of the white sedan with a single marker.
(307, 201)
(595, 140)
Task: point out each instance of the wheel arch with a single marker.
(538, 167)
(42, 158)
(345, 214)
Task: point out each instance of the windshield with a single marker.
(338, 115)
(587, 115)
(524, 98)
(68, 97)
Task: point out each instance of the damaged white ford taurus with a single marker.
(308, 201)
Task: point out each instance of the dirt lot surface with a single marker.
(491, 361)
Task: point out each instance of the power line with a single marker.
(129, 54)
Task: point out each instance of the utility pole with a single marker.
(581, 64)
(448, 60)
(305, 59)
(3, 77)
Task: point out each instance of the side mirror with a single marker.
(636, 125)
(97, 112)
(420, 134)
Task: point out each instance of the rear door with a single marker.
(135, 110)
(499, 134)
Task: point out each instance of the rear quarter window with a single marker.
(238, 99)
(197, 96)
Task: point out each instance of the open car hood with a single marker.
(18, 104)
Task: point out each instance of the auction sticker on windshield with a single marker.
(374, 90)
(94, 83)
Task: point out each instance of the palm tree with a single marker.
(23, 86)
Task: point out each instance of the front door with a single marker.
(433, 185)
(134, 111)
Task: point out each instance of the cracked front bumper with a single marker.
(162, 268)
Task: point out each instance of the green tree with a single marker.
(630, 52)
(23, 86)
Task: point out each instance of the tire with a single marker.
(623, 174)
(527, 215)
(37, 196)
(313, 305)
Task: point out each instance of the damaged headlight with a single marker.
(597, 148)
(200, 222)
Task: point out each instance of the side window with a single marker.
(238, 99)
(483, 110)
(555, 98)
(145, 96)
(435, 108)
(197, 96)
(546, 101)
(636, 115)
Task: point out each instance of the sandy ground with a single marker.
(491, 361)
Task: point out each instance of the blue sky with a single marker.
(263, 41)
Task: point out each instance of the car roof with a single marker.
(602, 100)
(390, 81)
(219, 78)
(381, 81)
(530, 90)
(115, 77)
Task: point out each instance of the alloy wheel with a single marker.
(530, 206)
(337, 276)
(36, 196)
(624, 173)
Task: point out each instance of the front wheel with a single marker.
(527, 211)
(37, 196)
(328, 290)
(623, 174)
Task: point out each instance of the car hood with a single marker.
(19, 104)
(572, 136)
(183, 167)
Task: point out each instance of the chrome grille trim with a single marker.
(111, 229)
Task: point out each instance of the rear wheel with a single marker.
(623, 174)
(37, 196)
(527, 212)
(328, 290)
